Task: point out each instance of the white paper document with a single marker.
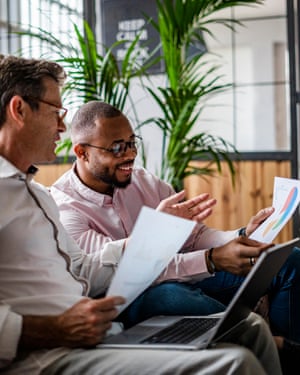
(286, 197)
(155, 239)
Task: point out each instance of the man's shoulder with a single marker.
(63, 186)
(64, 178)
(141, 172)
(146, 181)
(142, 175)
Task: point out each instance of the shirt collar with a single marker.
(7, 170)
(89, 193)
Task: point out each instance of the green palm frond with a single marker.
(95, 76)
(191, 82)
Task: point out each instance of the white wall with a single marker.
(245, 117)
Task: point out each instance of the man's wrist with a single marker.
(40, 332)
(209, 261)
(242, 232)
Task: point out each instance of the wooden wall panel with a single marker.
(253, 190)
(49, 173)
(235, 205)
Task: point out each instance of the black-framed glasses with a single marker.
(61, 111)
(118, 149)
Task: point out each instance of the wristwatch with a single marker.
(242, 232)
(210, 263)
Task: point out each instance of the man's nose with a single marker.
(61, 126)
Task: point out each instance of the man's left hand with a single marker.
(197, 208)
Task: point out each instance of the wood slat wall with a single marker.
(49, 173)
(253, 190)
(235, 205)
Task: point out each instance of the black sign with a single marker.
(123, 20)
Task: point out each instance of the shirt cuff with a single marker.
(11, 329)
(112, 252)
(188, 267)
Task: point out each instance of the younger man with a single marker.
(100, 199)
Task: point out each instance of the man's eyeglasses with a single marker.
(61, 111)
(118, 149)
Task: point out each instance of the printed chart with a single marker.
(286, 197)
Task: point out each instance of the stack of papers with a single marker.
(155, 239)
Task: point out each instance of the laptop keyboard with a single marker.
(183, 331)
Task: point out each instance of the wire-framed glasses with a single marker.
(118, 149)
(61, 111)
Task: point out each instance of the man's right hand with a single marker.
(83, 325)
(237, 255)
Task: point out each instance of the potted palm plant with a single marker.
(181, 24)
(93, 75)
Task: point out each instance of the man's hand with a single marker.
(86, 323)
(256, 220)
(197, 209)
(83, 325)
(238, 255)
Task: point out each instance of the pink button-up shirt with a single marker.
(93, 219)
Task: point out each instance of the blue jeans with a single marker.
(213, 294)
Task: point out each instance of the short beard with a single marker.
(112, 180)
(123, 184)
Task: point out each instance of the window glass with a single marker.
(55, 17)
(254, 113)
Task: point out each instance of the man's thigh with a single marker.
(220, 360)
(222, 286)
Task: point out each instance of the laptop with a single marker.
(186, 332)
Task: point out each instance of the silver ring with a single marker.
(252, 261)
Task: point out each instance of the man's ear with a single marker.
(17, 109)
(80, 152)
